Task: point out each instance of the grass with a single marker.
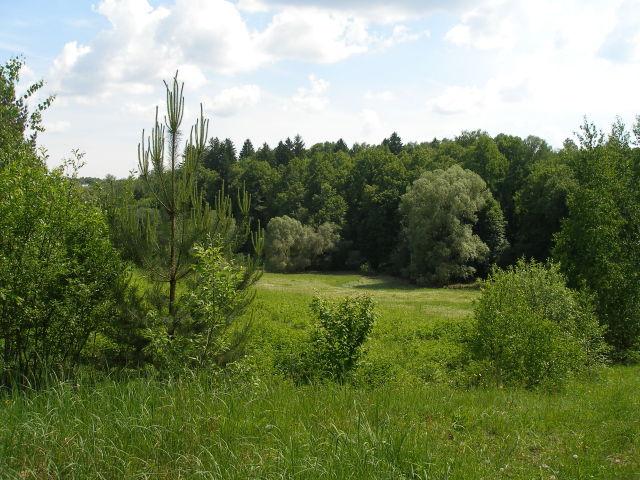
(240, 425)
(413, 340)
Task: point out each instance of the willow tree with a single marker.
(178, 218)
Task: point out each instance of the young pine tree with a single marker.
(179, 220)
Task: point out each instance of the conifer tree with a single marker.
(247, 150)
(166, 235)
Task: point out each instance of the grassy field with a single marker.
(413, 340)
(411, 424)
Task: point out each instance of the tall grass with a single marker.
(208, 427)
(247, 423)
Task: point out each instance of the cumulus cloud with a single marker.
(312, 98)
(381, 11)
(622, 43)
(235, 99)
(400, 34)
(487, 26)
(146, 43)
(57, 126)
(313, 35)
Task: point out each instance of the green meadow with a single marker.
(406, 413)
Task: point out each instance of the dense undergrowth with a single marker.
(244, 427)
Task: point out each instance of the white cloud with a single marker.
(235, 99)
(145, 44)
(142, 110)
(57, 126)
(622, 43)
(312, 98)
(371, 125)
(381, 11)
(455, 100)
(400, 34)
(67, 59)
(313, 35)
(487, 26)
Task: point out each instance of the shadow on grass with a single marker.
(386, 283)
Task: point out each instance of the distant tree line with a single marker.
(516, 202)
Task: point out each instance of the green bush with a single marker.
(531, 330)
(334, 345)
(58, 270)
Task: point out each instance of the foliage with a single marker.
(15, 117)
(540, 205)
(218, 293)
(59, 275)
(375, 183)
(387, 425)
(341, 329)
(599, 244)
(531, 330)
(291, 246)
(166, 231)
(439, 211)
(58, 270)
(334, 344)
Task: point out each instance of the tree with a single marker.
(220, 156)
(439, 211)
(247, 150)
(58, 270)
(167, 235)
(394, 143)
(59, 273)
(531, 330)
(292, 247)
(485, 159)
(15, 117)
(540, 205)
(373, 189)
(599, 243)
(298, 147)
(283, 152)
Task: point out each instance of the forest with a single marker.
(493, 271)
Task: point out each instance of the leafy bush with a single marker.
(58, 270)
(334, 345)
(292, 247)
(531, 330)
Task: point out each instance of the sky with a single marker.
(324, 69)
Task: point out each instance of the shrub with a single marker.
(334, 345)
(531, 330)
(292, 247)
(58, 270)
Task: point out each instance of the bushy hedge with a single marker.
(532, 330)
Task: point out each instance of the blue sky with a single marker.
(356, 69)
